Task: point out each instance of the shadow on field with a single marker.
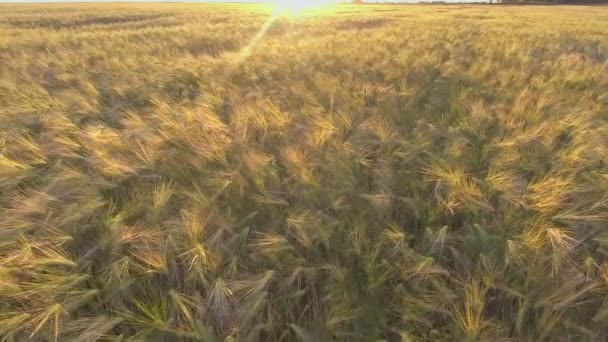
(60, 23)
(351, 24)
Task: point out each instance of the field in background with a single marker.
(187, 172)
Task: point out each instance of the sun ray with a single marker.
(246, 51)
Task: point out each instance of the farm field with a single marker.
(229, 172)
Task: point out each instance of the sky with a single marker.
(26, 1)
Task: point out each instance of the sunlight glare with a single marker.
(298, 7)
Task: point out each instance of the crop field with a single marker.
(229, 172)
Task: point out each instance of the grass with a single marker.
(189, 172)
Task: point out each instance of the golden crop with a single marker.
(199, 172)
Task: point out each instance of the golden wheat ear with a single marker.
(221, 303)
(13, 322)
(90, 328)
(51, 318)
(469, 314)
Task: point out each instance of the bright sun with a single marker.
(296, 7)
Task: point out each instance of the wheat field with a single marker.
(216, 172)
